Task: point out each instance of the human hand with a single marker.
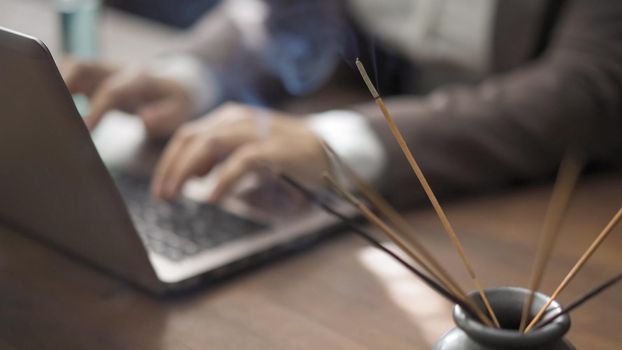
(242, 138)
(162, 104)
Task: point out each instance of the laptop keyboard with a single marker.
(182, 228)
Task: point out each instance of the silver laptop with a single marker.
(89, 195)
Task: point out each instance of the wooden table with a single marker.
(340, 294)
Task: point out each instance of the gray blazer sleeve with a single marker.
(516, 126)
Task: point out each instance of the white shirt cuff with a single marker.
(194, 75)
(355, 142)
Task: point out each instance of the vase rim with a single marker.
(509, 300)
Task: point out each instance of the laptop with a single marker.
(88, 195)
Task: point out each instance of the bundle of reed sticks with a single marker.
(426, 266)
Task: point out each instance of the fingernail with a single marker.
(214, 196)
(169, 190)
(155, 191)
(89, 125)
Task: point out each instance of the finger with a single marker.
(76, 76)
(84, 77)
(163, 117)
(174, 148)
(72, 72)
(197, 158)
(126, 90)
(241, 162)
(104, 100)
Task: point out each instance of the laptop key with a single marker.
(183, 228)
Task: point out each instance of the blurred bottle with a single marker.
(79, 22)
(79, 34)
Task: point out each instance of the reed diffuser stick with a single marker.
(428, 190)
(397, 220)
(582, 300)
(573, 272)
(378, 222)
(310, 196)
(399, 241)
(566, 181)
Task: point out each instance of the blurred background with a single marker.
(86, 29)
(176, 13)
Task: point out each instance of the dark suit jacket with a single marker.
(557, 83)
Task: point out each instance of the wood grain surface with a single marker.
(340, 294)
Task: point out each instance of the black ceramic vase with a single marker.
(507, 302)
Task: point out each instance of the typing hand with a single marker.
(242, 138)
(162, 104)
